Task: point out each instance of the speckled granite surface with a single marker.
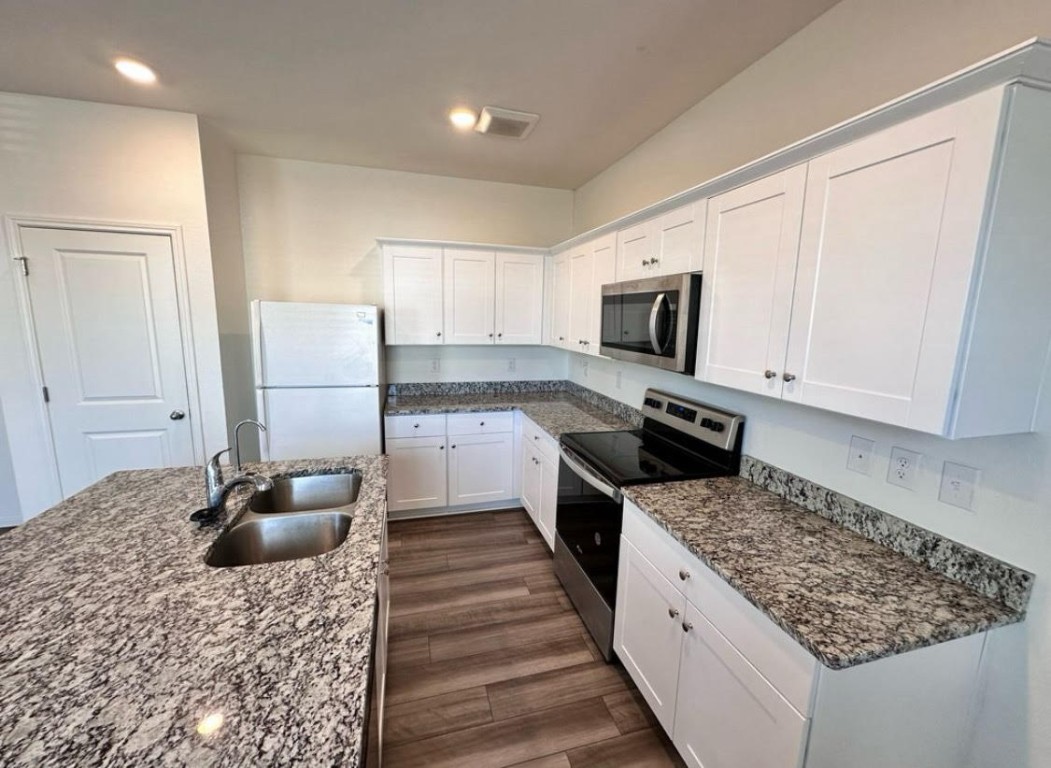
(554, 412)
(845, 598)
(117, 638)
(984, 573)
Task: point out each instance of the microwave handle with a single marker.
(658, 347)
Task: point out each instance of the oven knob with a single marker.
(707, 423)
(598, 539)
(717, 426)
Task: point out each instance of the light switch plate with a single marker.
(958, 485)
(904, 468)
(859, 456)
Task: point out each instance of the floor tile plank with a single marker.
(507, 637)
(629, 711)
(519, 696)
(444, 599)
(642, 749)
(480, 614)
(423, 718)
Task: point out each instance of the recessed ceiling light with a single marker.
(135, 71)
(463, 118)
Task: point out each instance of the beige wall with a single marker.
(858, 55)
(310, 229)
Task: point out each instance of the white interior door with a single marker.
(321, 422)
(106, 318)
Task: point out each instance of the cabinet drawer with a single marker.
(545, 443)
(785, 663)
(416, 426)
(480, 423)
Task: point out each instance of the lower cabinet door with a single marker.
(531, 481)
(727, 715)
(548, 501)
(648, 631)
(481, 468)
(416, 476)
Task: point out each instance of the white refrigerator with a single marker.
(318, 379)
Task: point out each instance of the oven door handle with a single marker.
(658, 347)
(581, 470)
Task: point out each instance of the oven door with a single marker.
(587, 545)
(652, 321)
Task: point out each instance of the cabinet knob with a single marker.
(561, 338)
(653, 261)
(415, 426)
(770, 374)
(789, 377)
(453, 446)
(441, 447)
(481, 423)
(177, 415)
(536, 437)
(499, 335)
(686, 626)
(683, 573)
(439, 333)
(673, 612)
(644, 262)
(490, 335)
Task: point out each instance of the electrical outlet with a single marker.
(904, 468)
(436, 365)
(958, 485)
(512, 365)
(859, 457)
(619, 379)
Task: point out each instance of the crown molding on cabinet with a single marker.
(461, 245)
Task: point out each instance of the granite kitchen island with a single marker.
(118, 641)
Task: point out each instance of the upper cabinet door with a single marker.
(561, 302)
(412, 279)
(581, 282)
(680, 239)
(469, 281)
(636, 252)
(519, 298)
(746, 293)
(604, 270)
(891, 228)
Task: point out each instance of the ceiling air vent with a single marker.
(509, 123)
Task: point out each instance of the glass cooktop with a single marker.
(637, 456)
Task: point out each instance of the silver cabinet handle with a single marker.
(686, 626)
(673, 612)
(684, 574)
(770, 374)
(789, 377)
(177, 415)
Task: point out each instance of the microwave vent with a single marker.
(509, 123)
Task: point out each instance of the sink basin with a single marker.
(256, 539)
(302, 494)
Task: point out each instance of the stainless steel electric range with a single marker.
(679, 440)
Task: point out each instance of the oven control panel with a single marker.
(706, 422)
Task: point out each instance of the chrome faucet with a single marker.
(217, 489)
(237, 440)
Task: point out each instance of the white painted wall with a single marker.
(480, 363)
(310, 229)
(219, 165)
(859, 54)
(78, 160)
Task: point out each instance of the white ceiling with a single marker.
(369, 82)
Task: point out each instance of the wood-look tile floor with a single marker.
(489, 664)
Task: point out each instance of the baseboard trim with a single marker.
(463, 509)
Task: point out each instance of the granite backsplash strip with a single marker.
(453, 388)
(983, 573)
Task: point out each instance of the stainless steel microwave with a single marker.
(653, 321)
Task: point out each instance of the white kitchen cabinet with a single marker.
(916, 295)
(648, 634)
(540, 458)
(561, 303)
(519, 311)
(590, 266)
(532, 482)
(731, 688)
(668, 244)
(416, 473)
(749, 272)
(470, 277)
(548, 500)
(412, 294)
(726, 713)
(480, 468)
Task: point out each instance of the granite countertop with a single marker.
(554, 412)
(118, 639)
(844, 598)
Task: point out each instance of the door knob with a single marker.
(177, 415)
(789, 377)
(770, 374)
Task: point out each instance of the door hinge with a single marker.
(47, 395)
(25, 264)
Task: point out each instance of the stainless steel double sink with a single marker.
(299, 517)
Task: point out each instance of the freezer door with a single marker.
(315, 345)
(320, 423)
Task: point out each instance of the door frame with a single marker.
(13, 226)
